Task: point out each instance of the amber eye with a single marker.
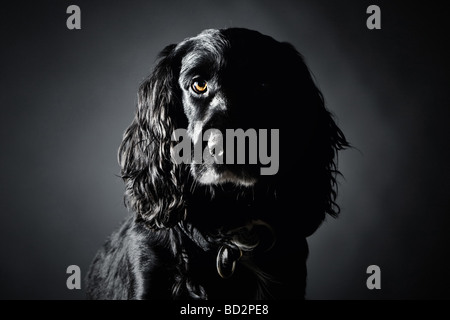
(199, 86)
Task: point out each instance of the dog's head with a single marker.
(227, 107)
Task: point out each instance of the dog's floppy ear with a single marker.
(153, 187)
(325, 140)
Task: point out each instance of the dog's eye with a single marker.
(199, 86)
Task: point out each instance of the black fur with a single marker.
(169, 247)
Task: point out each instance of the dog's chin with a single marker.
(219, 174)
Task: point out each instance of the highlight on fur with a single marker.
(192, 239)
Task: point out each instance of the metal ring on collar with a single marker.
(224, 251)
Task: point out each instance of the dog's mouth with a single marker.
(228, 155)
(215, 174)
(219, 165)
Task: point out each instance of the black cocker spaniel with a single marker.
(232, 223)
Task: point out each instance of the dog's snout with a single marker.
(218, 103)
(215, 144)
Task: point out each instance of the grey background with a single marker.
(67, 96)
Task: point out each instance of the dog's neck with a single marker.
(227, 206)
(228, 223)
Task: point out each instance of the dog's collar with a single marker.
(206, 243)
(227, 252)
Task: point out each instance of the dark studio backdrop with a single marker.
(68, 95)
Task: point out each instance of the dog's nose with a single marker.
(214, 152)
(215, 144)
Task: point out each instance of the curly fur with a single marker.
(169, 247)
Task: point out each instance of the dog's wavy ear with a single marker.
(323, 141)
(326, 144)
(154, 190)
